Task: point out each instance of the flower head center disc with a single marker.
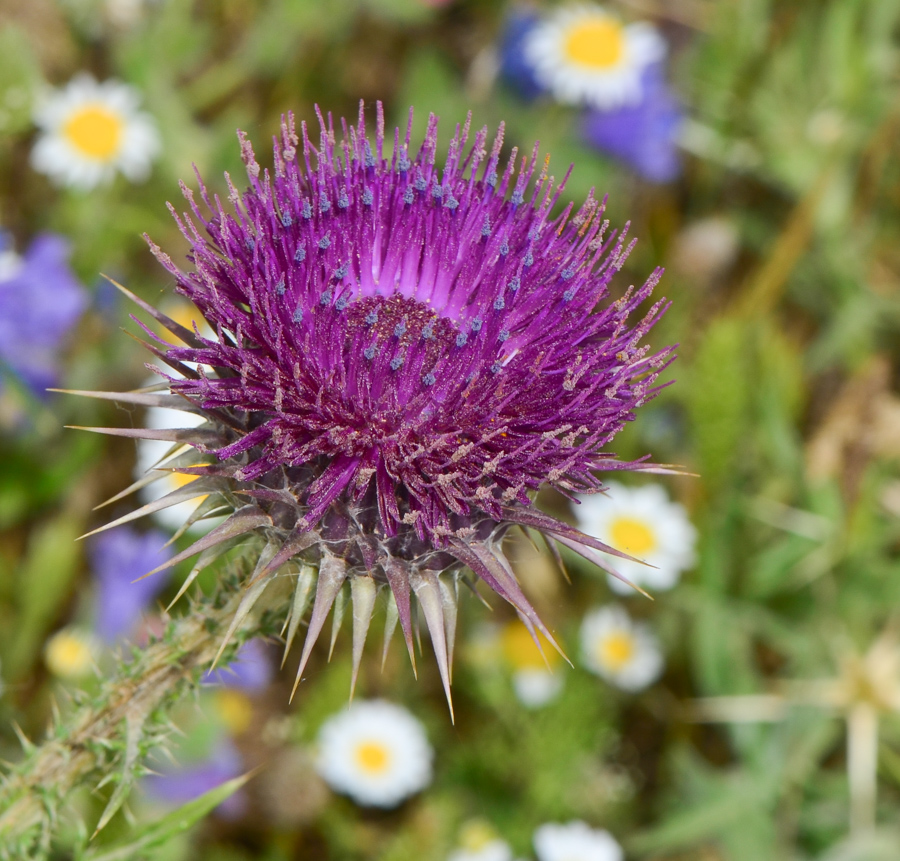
(597, 43)
(632, 536)
(616, 650)
(372, 757)
(95, 131)
(406, 320)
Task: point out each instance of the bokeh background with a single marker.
(770, 193)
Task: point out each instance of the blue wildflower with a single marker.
(40, 302)
(119, 559)
(643, 135)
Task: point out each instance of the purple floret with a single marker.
(404, 352)
(437, 350)
(40, 302)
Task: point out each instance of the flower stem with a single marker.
(98, 739)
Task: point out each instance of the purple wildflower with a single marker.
(180, 785)
(120, 559)
(642, 135)
(250, 671)
(40, 302)
(404, 353)
(514, 66)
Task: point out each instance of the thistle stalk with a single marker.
(107, 737)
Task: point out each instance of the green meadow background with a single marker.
(782, 254)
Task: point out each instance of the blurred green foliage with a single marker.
(785, 405)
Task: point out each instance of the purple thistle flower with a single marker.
(40, 302)
(405, 352)
(120, 558)
(643, 135)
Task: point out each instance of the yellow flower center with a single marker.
(597, 43)
(632, 535)
(616, 650)
(68, 655)
(373, 757)
(186, 314)
(520, 651)
(180, 479)
(235, 710)
(95, 131)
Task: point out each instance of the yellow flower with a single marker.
(71, 653)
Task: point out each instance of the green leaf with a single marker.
(718, 402)
(171, 825)
(42, 585)
(134, 727)
(20, 76)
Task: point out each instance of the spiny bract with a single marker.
(403, 353)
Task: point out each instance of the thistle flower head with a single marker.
(405, 350)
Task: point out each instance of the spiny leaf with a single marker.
(134, 726)
(172, 824)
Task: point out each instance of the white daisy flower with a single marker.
(584, 55)
(624, 652)
(92, 130)
(644, 523)
(152, 453)
(375, 752)
(575, 841)
(534, 682)
(71, 653)
(536, 688)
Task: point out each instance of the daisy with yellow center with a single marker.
(375, 752)
(71, 653)
(575, 841)
(534, 682)
(644, 523)
(585, 56)
(154, 457)
(91, 131)
(624, 652)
